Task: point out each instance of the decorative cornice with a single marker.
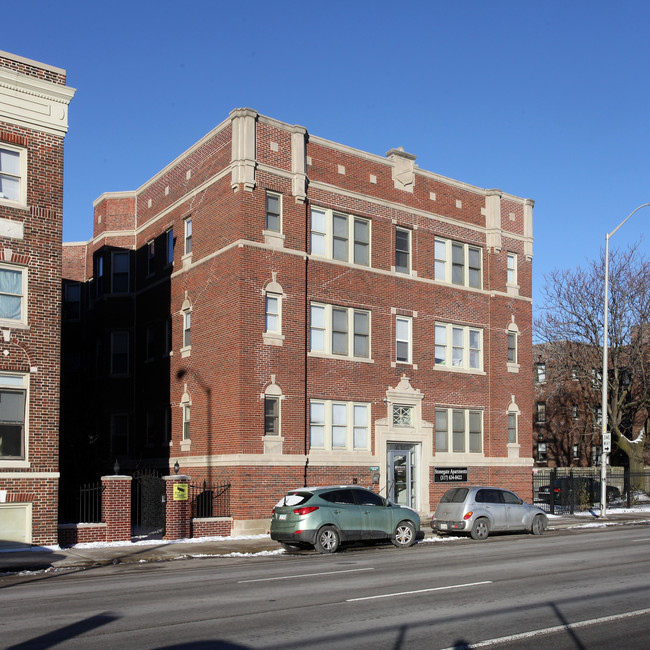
(34, 103)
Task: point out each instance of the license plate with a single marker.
(282, 516)
(443, 526)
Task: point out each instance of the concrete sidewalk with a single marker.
(37, 558)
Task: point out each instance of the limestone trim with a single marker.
(34, 103)
(244, 160)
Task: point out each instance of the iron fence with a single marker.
(82, 504)
(210, 499)
(567, 490)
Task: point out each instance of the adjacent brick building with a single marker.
(34, 103)
(274, 309)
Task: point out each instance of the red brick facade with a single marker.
(33, 124)
(399, 244)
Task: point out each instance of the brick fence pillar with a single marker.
(177, 511)
(116, 507)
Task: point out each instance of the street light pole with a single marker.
(603, 414)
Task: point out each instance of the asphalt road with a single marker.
(586, 589)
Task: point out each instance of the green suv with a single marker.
(325, 517)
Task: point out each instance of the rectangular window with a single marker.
(151, 257)
(576, 452)
(71, 302)
(541, 452)
(120, 272)
(271, 416)
(12, 294)
(540, 372)
(273, 212)
(170, 246)
(403, 327)
(99, 275)
(272, 317)
(339, 330)
(402, 250)
(188, 235)
(457, 263)
(511, 264)
(512, 347)
(459, 430)
(541, 412)
(574, 412)
(119, 353)
(339, 425)
(340, 236)
(119, 434)
(458, 347)
(12, 174)
(512, 427)
(187, 324)
(13, 398)
(186, 421)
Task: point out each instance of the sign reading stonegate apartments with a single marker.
(450, 474)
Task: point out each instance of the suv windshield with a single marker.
(455, 495)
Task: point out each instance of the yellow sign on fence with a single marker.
(181, 491)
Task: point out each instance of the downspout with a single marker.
(306, 344)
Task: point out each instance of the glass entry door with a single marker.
(401, 476)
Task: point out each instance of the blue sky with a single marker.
(546, 100)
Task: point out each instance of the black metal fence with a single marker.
(210, 499)
(82, 504)
(569, 490)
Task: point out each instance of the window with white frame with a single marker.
(273, 212)
(13, 401)
(512, 347)
(169, 240)
(458, 263)
(541, 452)
(574, 412)
(188, 235)
(540, 415)
(512, 427)
(458, 347)
(271, 415)
(459, 431)
(540, 372)
(120, 276)
(511, 268)
(13, 294)
(403, 415)
(340, 426)
(187, 326)
(340, 331)
(402, 250)
(119, 434)
(120, 353)
(340, 236)
(186, 412)
(403, 339)
(13, 174)
(272, 320)
(576, 452)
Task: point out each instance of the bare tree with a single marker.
(570, 326)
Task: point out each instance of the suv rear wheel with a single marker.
(480, 529)
(327, 540)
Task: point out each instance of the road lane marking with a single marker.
(419, 591)
(305, 575)
(557, 628)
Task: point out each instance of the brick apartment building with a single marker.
(274, 309)
(34, 103)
